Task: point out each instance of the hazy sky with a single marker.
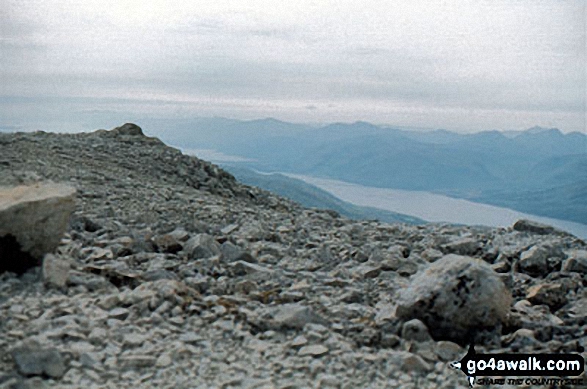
(461, 65)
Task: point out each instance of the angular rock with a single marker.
(520, 339)
(367, 271)
(313, 350)
(525, 315)
(466, 246)
(32, 222)
(167, 243)
(130, 129)
(448, 351)
(415, 330)
(201, 246)
(576, 262)
(240, 268)
(534, 261)
(454, 297)
(407, 361)
(136, 361)
(552, 294)
(295, 316)
(55, 271)
(534, 227)
(232, 253)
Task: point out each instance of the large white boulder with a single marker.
(455, 297)
(32, 222)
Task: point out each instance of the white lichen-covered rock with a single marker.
(35, 217)
(455, 296)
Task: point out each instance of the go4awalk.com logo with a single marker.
(529, 369)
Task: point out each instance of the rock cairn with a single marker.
(173, 275)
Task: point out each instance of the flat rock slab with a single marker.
(32, 222)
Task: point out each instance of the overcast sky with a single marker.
(461, 65)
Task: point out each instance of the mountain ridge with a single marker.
(171, 272)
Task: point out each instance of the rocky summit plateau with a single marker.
(128, 264)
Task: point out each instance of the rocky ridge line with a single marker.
(174, 275)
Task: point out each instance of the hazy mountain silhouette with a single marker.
(540, 171)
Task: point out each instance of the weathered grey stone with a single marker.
(521, 340)
(415, 330)
(454, 296)
(167, 243)
(524, 315)
(315, 350)
(55, 270)
(534, 227)
(295, 316)
(449, 351)
(240, 268)
(128, 129)
(407, 361)
(552, 294)
(32, 359)
(136, 361)
(32, 222)
(232, 253)
(576, 262)
(465, 246)
(534, 261)
(201, 246)
(367, 271)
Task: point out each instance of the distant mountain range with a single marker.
(539, 171)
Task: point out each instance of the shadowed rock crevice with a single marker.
(12, 258)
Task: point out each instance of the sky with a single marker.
(460, 65)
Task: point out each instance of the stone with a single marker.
(524, 225)
(454, 297)
(449, 351)
(98, 335)
(520, 339)
(534, 261)
(524, 315)
(551, 294)
(33, 220)
(232, 253)
(415, 330)
(32, 359)
(298, 341)
(55, 271)
(465, 246)
(240, 268)
(119, 313)
(167, 243)
(576, 262)
(294, 316)
(407, 361)
(367, 271)
(313, 350)
(136, 361)
(201, 246)
(129, 129)
(578, 309)
(163, 360)
(134, 339)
